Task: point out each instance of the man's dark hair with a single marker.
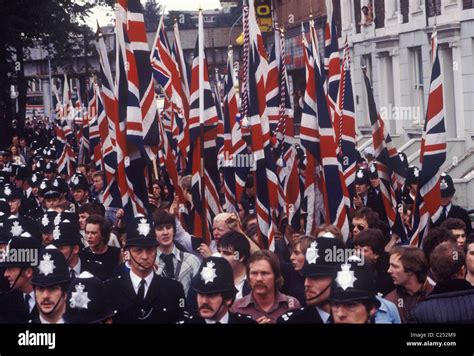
(435, 236)
(454, 224)
(469, 240)
(92, 208)
(446, 261)
(238, 243)
(372, 238)
(368, 214)
(162, 217)
(104, 224)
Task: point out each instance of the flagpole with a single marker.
(201, 121)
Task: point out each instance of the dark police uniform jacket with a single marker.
(164, 301)
(13, 308)
(459, 213)
(234, 318)
(306, 315)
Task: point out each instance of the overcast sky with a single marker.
(104, 14)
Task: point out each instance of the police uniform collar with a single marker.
(223, 320)
(448, 207)
(44, 321)
(77, 267)
(323, 315)
(136, 280)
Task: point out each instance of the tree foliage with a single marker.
(54, 25)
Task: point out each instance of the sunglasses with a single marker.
(358, 226)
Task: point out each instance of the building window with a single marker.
(467, 4)
(433, 7)
(416, 75)
(358, 15)
(379, 11)
(404, 10)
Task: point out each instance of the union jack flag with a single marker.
(265, 178)
(235, 149)
(344, 123)
(384, 153)
(317, 136)
(432, 154)
(203, 121)
(332, 62)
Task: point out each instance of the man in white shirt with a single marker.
(141, 296)
(172, 262)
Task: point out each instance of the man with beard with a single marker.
(50, 282)
(215, 289)
(319, 271)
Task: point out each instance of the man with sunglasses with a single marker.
(362, 219)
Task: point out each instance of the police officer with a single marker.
(50, 282)
(353, 294)
(141, 296)
(22, 182)
(365, 195)
(86, 302)
(18, 304)
(449, 209)
(67, 238)
(319, 270)
(80, 189)
(216, 292)
(13, 196)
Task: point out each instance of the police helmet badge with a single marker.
(56, 233)
(360, 174)
(79, 298)
(57, 219)
(208, 273)
(16, 229)
(75, 180)
(144, 227)
(46, 266)
(43, 185)
(7, 191)
(45, 220)
(345, 278)
(312, 253)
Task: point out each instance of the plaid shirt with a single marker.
(189, 266)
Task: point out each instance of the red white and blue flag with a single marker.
(432, 155)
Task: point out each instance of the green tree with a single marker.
(151, 14)
(55, 25)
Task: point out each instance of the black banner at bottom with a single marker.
(160, 339)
